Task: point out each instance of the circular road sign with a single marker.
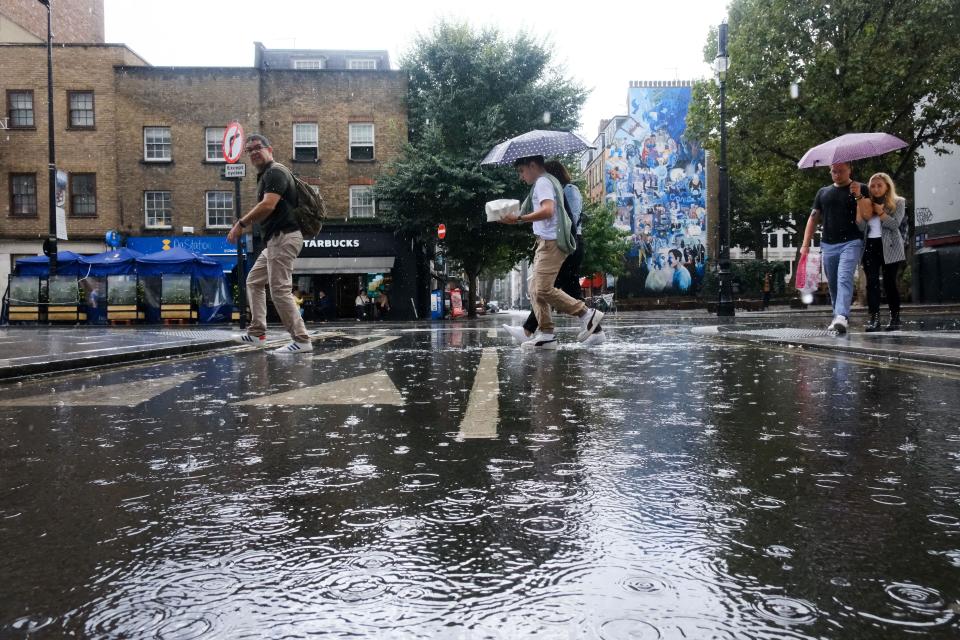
(233, 142)
(442, 231)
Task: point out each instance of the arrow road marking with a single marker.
(126, 394)
(372, 388)
(346, 353)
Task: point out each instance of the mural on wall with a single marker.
(656, 179)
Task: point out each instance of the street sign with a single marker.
(442, 231)
(234, 171)
(233, 142)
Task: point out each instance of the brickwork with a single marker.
(130, 96)
(72, 20)
(333, 99)
(187, 101)
(76, 68)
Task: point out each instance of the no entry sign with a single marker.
(233, 142)
(442, 231)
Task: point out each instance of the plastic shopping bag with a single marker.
(808, 276)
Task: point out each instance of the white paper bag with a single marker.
(497, 209)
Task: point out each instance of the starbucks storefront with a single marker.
(343, 259)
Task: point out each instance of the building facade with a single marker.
(142, 147)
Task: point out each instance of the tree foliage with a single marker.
(803, 72)
(470, 89)
(606, 246)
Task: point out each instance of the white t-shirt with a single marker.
(543, 190)
(875, 228)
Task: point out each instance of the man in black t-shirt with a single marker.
(276, 195)
(841, 240)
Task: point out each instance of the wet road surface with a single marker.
(444, 484)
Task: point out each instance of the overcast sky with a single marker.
(603, 45)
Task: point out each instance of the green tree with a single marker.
(470, 89)
(606, 246)
(805, 71)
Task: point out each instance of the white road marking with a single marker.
(372, 388)
(483, 409)
(340, 354)
(126, 394)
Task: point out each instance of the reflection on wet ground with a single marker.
(444, 484)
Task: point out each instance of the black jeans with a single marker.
(873, 266)
(568, 280)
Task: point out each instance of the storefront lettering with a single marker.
(331, 244)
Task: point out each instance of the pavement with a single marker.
(931, 336)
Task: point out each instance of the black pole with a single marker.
(725, 306)
(241, 259)
(51, 245)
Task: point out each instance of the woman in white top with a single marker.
(879, 216)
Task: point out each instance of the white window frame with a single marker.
(359, 208)
(306, 142)
(226, 199)
(362, 64)
(354, 142)
(213, 148)
(149, 212)
(309, 64)
(168, 144)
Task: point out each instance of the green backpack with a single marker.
(310, 210)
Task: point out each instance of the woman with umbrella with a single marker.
(880, 220)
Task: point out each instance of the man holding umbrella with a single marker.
(546, 207)
(841, 239)
(545, 210)
(836, 205)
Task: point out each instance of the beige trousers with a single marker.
(274, 267)
(546, 265)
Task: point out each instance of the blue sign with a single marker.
(201, 245)
(112, 239)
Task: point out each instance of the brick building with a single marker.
(142, 146)
(77, 21)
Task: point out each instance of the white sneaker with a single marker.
(294, 348)
(543, 341)
(595, 339)
(517, 333)
(839, 325)
(589, 323)
(246, 338)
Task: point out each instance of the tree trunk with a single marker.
(472, 294)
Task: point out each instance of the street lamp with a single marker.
(50, 246)
(721, 63)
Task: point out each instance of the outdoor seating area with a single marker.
(120, 286)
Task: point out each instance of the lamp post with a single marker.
(50, 246)
(721, 63)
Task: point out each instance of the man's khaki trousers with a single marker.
(274, 266)
(546, 265)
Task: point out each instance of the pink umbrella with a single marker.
(850, 147)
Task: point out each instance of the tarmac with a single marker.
(931, 336)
